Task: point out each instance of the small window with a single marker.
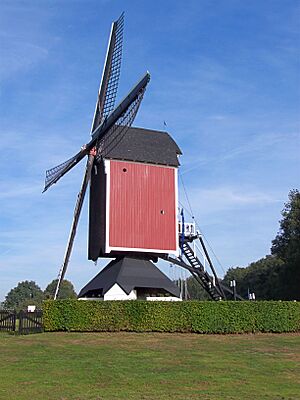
(124, 170)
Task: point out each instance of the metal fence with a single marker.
(24, 322)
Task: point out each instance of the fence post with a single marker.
(20, 322)
(14, 317)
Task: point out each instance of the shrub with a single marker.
(189, 316)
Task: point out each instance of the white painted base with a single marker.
(117, 293)
(163, 298)
(91, 298)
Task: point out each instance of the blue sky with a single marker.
(224, 77)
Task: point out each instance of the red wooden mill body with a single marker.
(133, 197)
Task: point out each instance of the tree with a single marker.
(276, 276)
(286, 246)
(262, 277)
(195, 290)
(239, 275)
(66, 290)
(24, 294)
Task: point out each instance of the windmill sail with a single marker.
(117, 132)
(55, 173)
(111, 73)
(124, 113)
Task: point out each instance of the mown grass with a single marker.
(129, 366)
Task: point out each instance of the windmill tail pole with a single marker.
(77, 211)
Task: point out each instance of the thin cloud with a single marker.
(257, 145)
(222, 198)
(18, 56)
(18, 191)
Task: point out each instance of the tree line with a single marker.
(277, 275)
(29, 293)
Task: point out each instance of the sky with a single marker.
(224, 78)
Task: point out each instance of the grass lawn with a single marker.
(149, 366)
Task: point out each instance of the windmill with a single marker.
(109, 124)
(133, 218)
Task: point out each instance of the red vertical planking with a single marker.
(142, 211)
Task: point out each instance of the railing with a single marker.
(189, 228)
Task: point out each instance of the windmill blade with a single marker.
(111, 73)
(55, 173)
(130, 102)
(117, 132)
(120, 111)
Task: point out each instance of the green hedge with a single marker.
(188, 316)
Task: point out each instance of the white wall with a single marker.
(163, 298)
(91, 298)
(117, 293)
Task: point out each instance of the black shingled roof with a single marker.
(145, 145)
(129, 273)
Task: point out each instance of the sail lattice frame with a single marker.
(111, 74)
(114, 70)
(118, 131)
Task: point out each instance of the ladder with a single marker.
(190, 261)
(208, 282)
